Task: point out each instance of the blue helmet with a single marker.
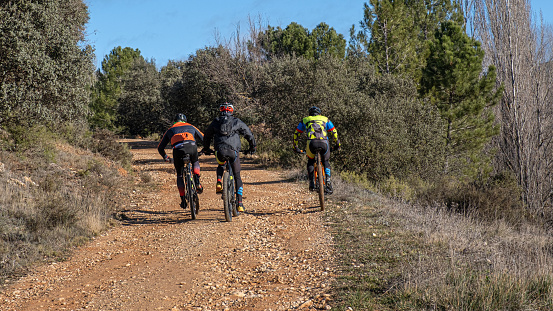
(314, 111)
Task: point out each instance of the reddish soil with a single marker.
(277, 256)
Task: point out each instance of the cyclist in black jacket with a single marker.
(183, 137)
(225, 131)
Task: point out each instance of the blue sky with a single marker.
(174, 29)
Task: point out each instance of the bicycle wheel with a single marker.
(190, 195)
(233, 200)
(227, 195)
(197, 202)
(320, 182)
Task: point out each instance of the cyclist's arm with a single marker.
(299, 130)
(164, 141)
(332, 132)
(198, 136)
(245, 131)
(208, 136)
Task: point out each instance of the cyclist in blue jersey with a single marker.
(318, 128)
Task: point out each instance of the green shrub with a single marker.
(358, 179)
(36, 140)
(105, 143)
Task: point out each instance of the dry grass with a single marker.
(396, 256)
(52, 197)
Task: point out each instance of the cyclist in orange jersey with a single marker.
(183, 137)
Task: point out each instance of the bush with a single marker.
(105, 143)
(498, 197)
(45, 208)
(394, 188)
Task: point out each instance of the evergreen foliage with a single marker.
(385, 131)
(328, 42)
(45, 70)
(394, 34)
(452, 82)
(140, 107)
(298, 41)
(200, 85)
(393, 43)
(107, 90)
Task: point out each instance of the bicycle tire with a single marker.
(190, 195)
(197, 202)
(227, 205)
(233, 200)
(320, 182)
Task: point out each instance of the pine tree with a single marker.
(453, 81)
(328, 42)
(395, 33)
(299, 41)
(107, 90)
(393, 37)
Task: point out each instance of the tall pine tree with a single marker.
(107, 90)
(393, 39)
(453, 81)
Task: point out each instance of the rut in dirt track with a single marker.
(278, 256)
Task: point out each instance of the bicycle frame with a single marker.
(190, 190)
(230, 200)
(318, 176)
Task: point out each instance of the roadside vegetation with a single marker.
(55, 195)
(398, 256)
(443, 109)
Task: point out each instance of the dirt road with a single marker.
(278, 256)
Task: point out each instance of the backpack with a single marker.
(316, 129)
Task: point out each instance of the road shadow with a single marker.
(312, 209)
(282, 181)
(135, 217)
(144, 217)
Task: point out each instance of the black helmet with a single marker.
(314, 111)
(180, 117)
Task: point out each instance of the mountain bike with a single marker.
(318, 178)
(229, 196)
(191, 196)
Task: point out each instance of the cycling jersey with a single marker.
(316, 127)
(179, 134)
(225, 131)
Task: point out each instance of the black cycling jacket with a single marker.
(229, 137)
(178, 133)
